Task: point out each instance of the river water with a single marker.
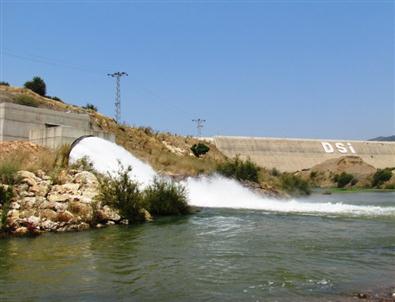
(215, 255)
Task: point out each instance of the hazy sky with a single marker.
(310, 69)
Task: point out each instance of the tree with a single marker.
(89, 106)
(37, 85)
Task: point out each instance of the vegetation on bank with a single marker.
(239, 169)
(162, 197)
(246, 170)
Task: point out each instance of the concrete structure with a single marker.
(56, 136)
(44, 126)
(298, 154)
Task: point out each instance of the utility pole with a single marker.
(118, 76)
(199, 125)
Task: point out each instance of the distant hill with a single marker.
(384, 138)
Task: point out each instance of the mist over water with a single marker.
(213, 191)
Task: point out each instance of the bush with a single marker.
(165, 197)
(199, 149)
(120, 192)
(381, 176)
(8, 171)
(89, 106)
(55, 98)
(4, 83)
(294, 184)
(239, 169)
(26, 100)
(5, 201)
(343, 179)
(274, 172)
(37, 85)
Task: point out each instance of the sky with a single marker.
(304, 69)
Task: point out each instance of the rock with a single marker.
(48, 214)
(106, 213)
(15, 206)
(124, 221)
(70, 188)
(40, 189)
(84, 211)
(83, 226)
(27, 213)
(85, 178)
(110, 222)
(65, 216)
(147, 216)
(28, 202)
(99, 226)
(58, 197)
(12, 216)
(26, 174)
(33, 220)
(21, 231)
(49, 225)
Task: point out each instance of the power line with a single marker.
(199, 125)
(118, 76)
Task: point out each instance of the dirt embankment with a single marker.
(324, 174)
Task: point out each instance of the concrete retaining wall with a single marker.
(57, 136)
(298, 154)
(16, 120)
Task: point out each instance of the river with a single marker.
(215, 255)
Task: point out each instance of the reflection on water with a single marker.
(215, 255)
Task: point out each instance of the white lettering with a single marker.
(327, 147)
(340, 147)
(351, 148)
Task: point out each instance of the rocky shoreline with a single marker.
(39, 205)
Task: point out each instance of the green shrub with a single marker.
(294, 184)
(343, 179)
(5, 201)
(239, 169)
(390, 186)
(199, 149)
(381, 176)
(274, 172)
(122, 193)
(4, 83)
(37, 85)
(165, 197)
(8, 171)
(55, 98)
(89, 106)
(26, 100)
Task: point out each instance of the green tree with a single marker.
(199, 149)
(381, 176)
(37, 85)
(90, 107)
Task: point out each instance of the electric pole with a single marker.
(118, 76)
(199, 125)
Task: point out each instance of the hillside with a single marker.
(166, 152)
(384, 138)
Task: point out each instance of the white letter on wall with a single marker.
(351, 148)
(340, 147)
(327, 147)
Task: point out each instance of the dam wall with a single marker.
(289, 155)
(46, 127)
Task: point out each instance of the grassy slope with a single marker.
(165, 152)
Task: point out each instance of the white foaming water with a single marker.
(220, 192)
(106, 157)
(214, 191)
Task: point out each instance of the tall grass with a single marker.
(239, 169)
(165, 197)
